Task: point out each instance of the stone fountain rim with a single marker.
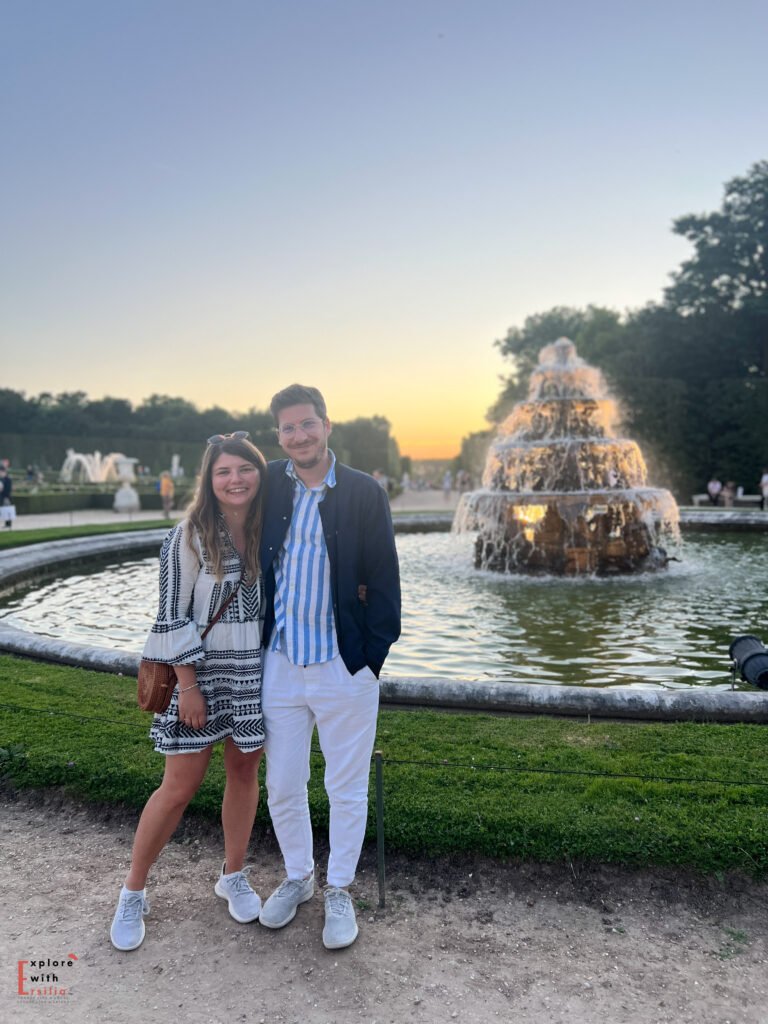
(465, 695)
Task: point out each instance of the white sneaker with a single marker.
(282, 905)
(340, 920)
(244, 903)
(127, 931)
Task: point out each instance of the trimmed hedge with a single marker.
(75, 501)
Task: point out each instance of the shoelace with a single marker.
(337, 901)
(241, 885)
(288, 885)
(132, 906)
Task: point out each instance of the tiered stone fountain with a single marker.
(562, 493)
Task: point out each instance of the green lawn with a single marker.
(535, 789)
(22, 538)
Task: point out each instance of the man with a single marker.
(333, 611)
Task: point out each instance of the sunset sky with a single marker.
(214, 199)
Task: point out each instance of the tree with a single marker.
(113, 414)
(726, 279)
(66, 411)
(16, 413)
(365, 443)
(729, 268)
(159, 408)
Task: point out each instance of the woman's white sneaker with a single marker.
(244, 903)
(127, 931)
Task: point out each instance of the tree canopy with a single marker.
(729, 267)
(364, 442)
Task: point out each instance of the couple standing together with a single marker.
(300, 554)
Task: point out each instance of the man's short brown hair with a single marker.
(298, 394)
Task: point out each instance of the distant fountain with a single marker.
(95, 468)
(561, 492)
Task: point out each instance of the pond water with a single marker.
(669, 629)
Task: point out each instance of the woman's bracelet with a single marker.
(188, 688)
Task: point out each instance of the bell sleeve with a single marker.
(175, 636)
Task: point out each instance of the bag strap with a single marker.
(222, 609)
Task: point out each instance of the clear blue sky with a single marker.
(212, 199)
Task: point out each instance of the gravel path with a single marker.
(470, 940)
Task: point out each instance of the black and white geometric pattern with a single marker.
(227, 663)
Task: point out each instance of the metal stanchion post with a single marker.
(378, 761)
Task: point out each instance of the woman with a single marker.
(210, 554)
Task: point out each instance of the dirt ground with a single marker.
(467, 940)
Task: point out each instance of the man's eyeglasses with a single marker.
(237, 435)
(308, 426)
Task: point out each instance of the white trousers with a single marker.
(344, 708)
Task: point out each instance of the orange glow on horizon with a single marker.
(430, 450)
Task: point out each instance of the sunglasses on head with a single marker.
(236, 435)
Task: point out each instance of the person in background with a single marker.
(167, 492)
(447, 484)
(714, 487)
(763, 488)
(209, 557)
(7, 510)
(333, 611)
(728, 493)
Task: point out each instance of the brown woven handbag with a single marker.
(157, 679)
(155, 685)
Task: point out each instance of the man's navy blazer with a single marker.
(361, 550)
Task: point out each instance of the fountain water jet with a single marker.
(561, 492)
(97, 468)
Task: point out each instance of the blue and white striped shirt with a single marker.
(304, 626)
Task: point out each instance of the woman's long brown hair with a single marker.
(203, 512)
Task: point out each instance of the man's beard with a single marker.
(309, 459)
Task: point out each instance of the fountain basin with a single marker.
(472, 640)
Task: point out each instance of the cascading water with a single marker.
(561, 493)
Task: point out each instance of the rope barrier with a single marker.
(520, 769)
(574, 771)
(70, 714)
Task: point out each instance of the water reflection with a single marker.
(668, 630)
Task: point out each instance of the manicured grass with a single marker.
(22, 538)
(522, 809)
(537, 814)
